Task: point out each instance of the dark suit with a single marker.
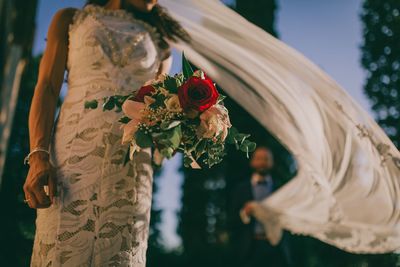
(246, 249)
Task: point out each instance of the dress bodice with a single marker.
(111, 50)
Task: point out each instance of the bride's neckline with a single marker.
(125, 15)
(121, 13)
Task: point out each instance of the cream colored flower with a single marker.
(132, 110)
(173, 104)
(164, 91)
(214, 122)
(148, 100)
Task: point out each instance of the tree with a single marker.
(381, 60)
(18, 220)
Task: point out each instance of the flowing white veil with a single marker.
(346, 192)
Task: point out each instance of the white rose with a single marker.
(132, 110)
(214, 122)
(173, 104)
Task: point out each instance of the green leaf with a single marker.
(171, 138)
(160, 98)
(176, 136)
(247, 147)
(187, 161)
(124, 120)
(167, 152)
(180, 79)
(186, 67)
(230, 139)
(93, 104)
(201, 148)
(171, 84)
(109, 104)
(143, 140)
(240, 137)
(252, 146)
(221, 98)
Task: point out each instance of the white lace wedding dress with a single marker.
(102, 214)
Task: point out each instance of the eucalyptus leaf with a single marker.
(247, 147)
(230, 139)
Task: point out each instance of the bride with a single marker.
(346, 192)
(97, 210)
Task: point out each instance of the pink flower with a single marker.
(132, 110)
(214, 122)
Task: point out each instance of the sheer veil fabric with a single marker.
(346, 191)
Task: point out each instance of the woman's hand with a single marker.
(41, 173)
(44, 102)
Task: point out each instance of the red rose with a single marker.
(198, 94)
(142, 92)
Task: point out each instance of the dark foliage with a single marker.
(18, 220)
(381, 60)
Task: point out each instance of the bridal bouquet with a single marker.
(184, 113)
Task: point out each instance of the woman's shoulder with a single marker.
(62, 21)
(65, 15)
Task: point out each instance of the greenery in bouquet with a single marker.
(182, 113)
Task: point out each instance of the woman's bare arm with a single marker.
(42, 111)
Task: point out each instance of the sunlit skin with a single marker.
(44, 101)
(261, 162)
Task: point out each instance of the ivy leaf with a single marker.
(93, 104)
(187, 161)
(124, 120)
(160, 98)
(179, 78)
(186, 67)
(171, 84)
(143, 140)
(109, 104)
(201, 148)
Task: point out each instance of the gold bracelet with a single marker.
(37, 149)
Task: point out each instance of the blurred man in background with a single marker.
(250, 246)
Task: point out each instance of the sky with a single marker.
(327, 32)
